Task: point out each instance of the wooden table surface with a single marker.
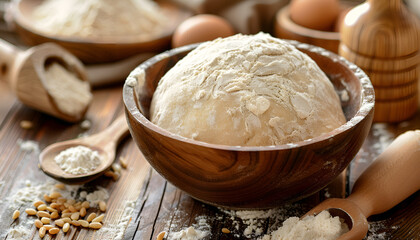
(159, 206)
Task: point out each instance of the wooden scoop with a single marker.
(25, 72)
(391, 178)
(104, 142)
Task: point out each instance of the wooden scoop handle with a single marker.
(8, 55)
(391, 178)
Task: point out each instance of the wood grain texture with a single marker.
(232, 176)
(100, 50)
(383, 38)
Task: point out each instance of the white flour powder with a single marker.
(28, 146)
(78, 160)
(253, 220)
(320, 227)
(200, 230)
(71, 95)
(35, 191)
(189, 233)
(243, 90)
(20, 233)
(116, 231)
(142, 19)
(94, 197)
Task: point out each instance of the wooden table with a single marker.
(159, 205)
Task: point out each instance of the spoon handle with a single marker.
(117, 130)
(110, 136)
(391, 178)
(8, 55)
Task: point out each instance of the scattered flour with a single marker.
(252, 220)
(95, 197)
(1, 189)
(35, 191)
(19, 233)
(78, 160)
(384, 137)
(197, 231)
(255, 221)
(143, 19)
(189, 233)
(71, 95)
(116, 231)
(268, 222)
(28, 146)
(377, 231)
(31, 192)
(320, 227)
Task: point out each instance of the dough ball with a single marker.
(246, 90)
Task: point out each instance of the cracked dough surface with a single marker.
(246, 90)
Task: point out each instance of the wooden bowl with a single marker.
(285, 28)
(250, 177)
(96, 50)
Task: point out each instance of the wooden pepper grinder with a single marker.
(382, 37)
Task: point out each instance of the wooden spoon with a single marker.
(25, 72)
(391, 178)
(104, 142)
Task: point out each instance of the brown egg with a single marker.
(315, 14)
(200, 28)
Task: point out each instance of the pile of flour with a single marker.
(320, 227)
(245, 90)
(100, 18)
(78, 160)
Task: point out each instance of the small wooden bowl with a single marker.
(285, 28)
(96, 50)
(251, 177)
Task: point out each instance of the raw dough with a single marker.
(247, 90)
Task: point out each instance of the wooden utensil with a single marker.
(105, 142)
(25, 73)
(391, 178)
(383, 38)
(97, 50)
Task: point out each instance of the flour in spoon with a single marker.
(78, 160)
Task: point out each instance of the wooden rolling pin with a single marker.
(382, 37)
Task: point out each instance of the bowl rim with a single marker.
(365, 108)
(24, 22)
